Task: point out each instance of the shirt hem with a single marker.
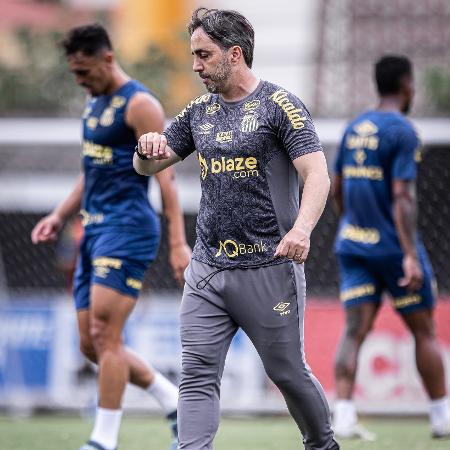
(243, 265)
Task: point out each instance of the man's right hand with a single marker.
(47, 229)
(154, 146)
(412, 274)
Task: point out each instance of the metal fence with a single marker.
(353, 34)
(30, 269)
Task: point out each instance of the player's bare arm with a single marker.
(312, 167)
(48, 228)
(405, 218)
(336, 193)
(152, 145)
(143, 114)
(146, 116)
(179, 250)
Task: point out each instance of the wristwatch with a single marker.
(139, 154)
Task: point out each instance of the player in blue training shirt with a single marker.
(378, 247)
(121, 229)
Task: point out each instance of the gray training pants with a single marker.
(210, 317)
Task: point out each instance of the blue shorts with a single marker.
(364, 280)
(115, 259)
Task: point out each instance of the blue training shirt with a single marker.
(115, 196)
(377, 148)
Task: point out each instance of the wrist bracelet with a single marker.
(139, 154)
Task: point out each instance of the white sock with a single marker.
(164, 392)
(440, 414)
(106, 427)
(344, 413)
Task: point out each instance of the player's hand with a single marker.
(47, 229)
(412, 274)
(153, 145)
(295, 245)
(179, 257)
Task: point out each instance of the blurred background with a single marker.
(323, 51)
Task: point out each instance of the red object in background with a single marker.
(381, 365)
(41, 16)
(324, 322)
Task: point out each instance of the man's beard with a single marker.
(220, 77)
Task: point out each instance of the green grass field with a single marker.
(277, 433)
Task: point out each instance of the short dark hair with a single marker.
(89, 39)
(226, 28)
(389, 71)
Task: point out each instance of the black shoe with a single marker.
(444, 434)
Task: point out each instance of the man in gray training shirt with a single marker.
(252, 139)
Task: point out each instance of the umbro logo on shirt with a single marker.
(205, 128)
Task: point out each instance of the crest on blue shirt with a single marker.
(107, 117)
(118, 101)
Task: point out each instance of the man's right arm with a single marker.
(48, 227)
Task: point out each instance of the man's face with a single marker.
(91, 72)
(210, 61)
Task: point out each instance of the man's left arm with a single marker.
(405, 220)
(146, 114)
(404, 208)
(312, 167)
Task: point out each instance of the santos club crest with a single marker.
(249, 123)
